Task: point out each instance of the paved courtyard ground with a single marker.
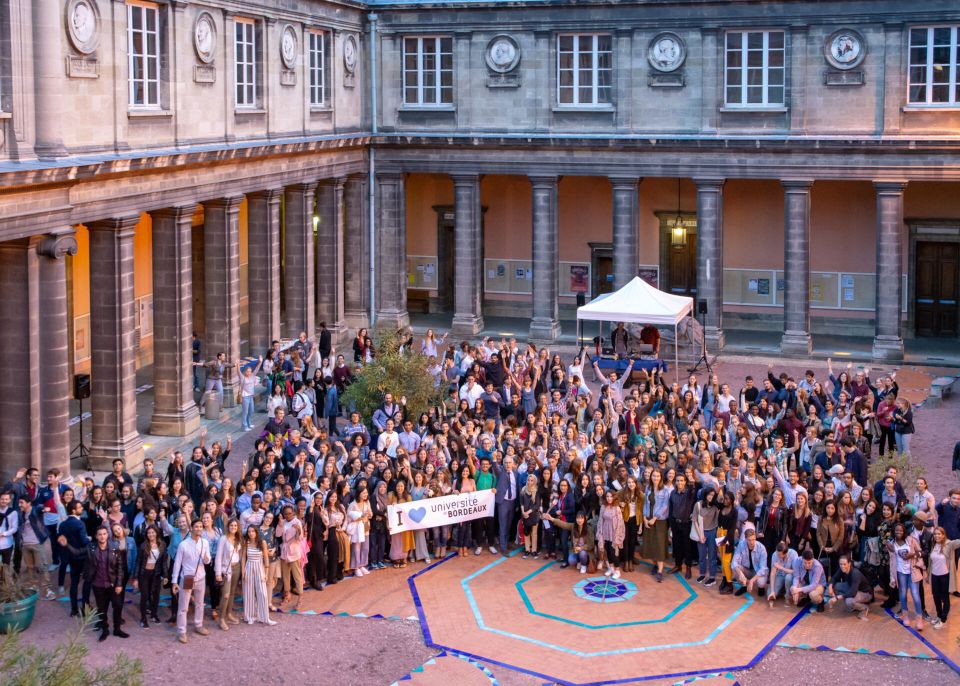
(503, 620)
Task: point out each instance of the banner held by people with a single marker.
(442, 511)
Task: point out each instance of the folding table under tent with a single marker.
(640, 303)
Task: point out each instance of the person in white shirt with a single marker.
(471, 391)
(9, 523)
(389, 440)
(192, 555)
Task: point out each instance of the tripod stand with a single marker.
(704, 360)
(81, 450)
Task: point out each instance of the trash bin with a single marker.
(212, 405)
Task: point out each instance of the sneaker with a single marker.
(120, 633)
(427, 561)
(61, 591)
(700, 579)
(710, 582)
(583, 569)
(182, 637)
(477, 550)
(863, 615)
(203, 631)
(536, 556)
(936, 623)
(270, 622)
(608, 572)
(524, 556)
(740, 591)
(616, 574)
(820, 607)
(493, 550)
(50, 595)
(898, 616)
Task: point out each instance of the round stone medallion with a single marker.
(602, 589)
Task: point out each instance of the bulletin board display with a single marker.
(422, 272)
(507, 276)
(749, 286)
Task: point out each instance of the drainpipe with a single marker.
(371, 173)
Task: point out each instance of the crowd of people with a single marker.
(761, 486)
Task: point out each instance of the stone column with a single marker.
(468, 246)
(174, 410)
(263, 268)
(330, 258)
(113, 342)
(796, 268)
(545, 324)
(298, 251)
(221, 291)
(626, 239)
(356, 255)
(710, 257)
(55, 370)
(391, 251)
(20, 425)
(888, 342)
(48, 67)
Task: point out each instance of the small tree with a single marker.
(404, 374)
(30, 665)
(908, 470)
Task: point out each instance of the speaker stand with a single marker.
(81, 452)
(704, 360)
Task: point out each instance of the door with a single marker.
(445, 257)
(937, 295)
(601, 268)
(682, 267)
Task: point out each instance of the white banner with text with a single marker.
(442, 511)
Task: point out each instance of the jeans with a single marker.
(359, 553)
(149, 593)
(903, 441)
(708, 553)
(581, 558)
(780, 583)
(906, 586)
(212, 385)
(247, 416)
(77, 565)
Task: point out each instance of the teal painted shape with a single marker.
(475, 609)
(580, 589)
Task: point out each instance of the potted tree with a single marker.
(18, 601)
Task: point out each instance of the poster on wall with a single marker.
(579, 278)
(648, 274)
(763, 286)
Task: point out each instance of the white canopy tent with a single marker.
(639, 302)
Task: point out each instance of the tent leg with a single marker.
(676, 355)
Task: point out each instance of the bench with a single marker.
(940, 388)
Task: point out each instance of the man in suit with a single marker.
(506, 497)
(75, 542)
(854, 461)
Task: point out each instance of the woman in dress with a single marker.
(227, 568)
(462, 533)
(269, 536)
(530, 516)
(358, 528)
(419, 492)
(256, 564)
(402, 543)
(334, 518)
(611, 531)
(656, 510)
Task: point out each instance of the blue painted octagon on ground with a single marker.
(604, 590)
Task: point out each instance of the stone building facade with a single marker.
(247, 170)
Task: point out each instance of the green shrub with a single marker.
(908, 470)
(405, 375)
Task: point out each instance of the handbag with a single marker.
(695, 532)
(188, 580)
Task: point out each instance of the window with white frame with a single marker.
(318, 46)
(754, 69)
(584, 69)
(427, 71)
(245, 58)
(143, 50)
(933, 73)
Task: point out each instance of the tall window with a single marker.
(584, 69)
(319, 48)
(143, 49)
(754, 68)
(934, 56)
(427, 71)
(245, 56)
